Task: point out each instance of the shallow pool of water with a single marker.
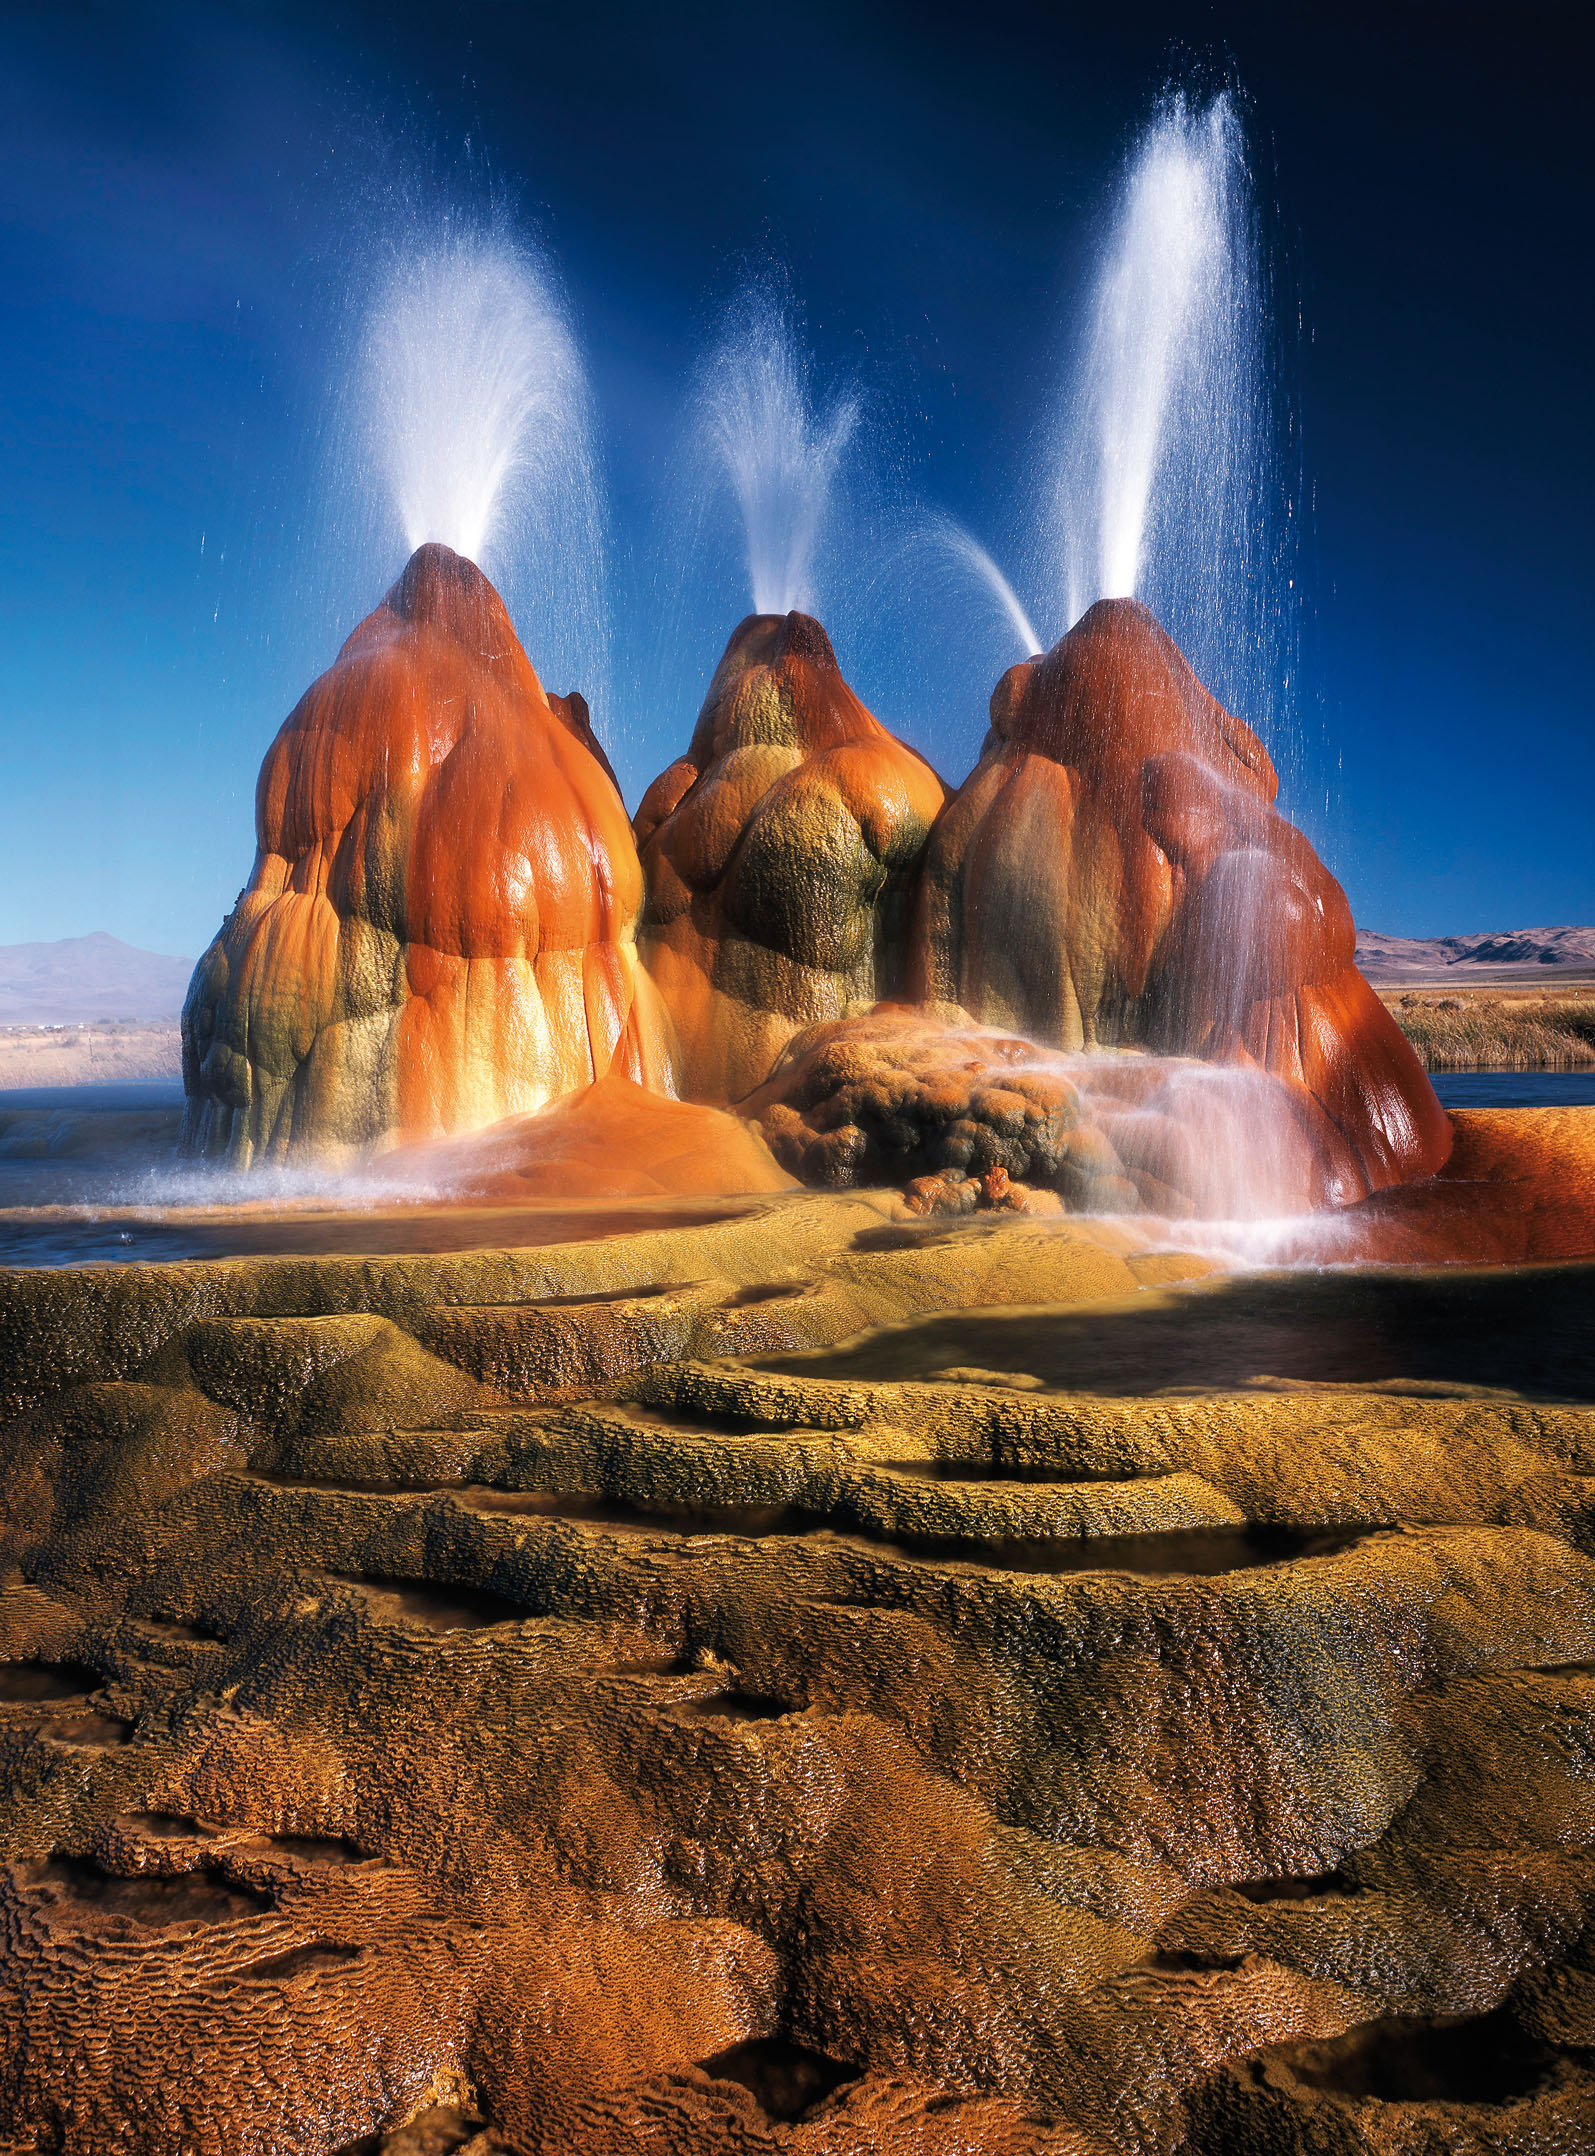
(115, 1096)
(1515, 1089)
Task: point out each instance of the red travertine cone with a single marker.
(440, 926)
(1113, 871)
(778, 853)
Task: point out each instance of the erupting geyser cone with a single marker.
(439, 930)
(778, 854)
(1113, 872)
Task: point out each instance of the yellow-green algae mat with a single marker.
(800, 1683)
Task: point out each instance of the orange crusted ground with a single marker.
(613, 1139)
(1519, 1187)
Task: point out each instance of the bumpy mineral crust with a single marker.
(778, 853)
(935, 1691)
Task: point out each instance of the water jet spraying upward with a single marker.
(1114, 872)
(469, 425)
(476, 396)
(1161, 488)
(779, 444)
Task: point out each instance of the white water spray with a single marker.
(1165, 481)
(477, 397)
(470, 421)
(1163, 273)
(779, 444)
(966, 550)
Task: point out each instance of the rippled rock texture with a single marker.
(933, 1695)
(439, 930)
(1113, 871)
(778, 853)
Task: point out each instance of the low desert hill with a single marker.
(87, 980)
(1554, 949)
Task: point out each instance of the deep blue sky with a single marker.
(182, 190)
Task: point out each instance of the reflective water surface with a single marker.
(1515, 1089)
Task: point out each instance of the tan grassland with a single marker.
(89, 1055)
(1495, 1028)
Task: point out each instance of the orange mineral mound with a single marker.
(779, 852)
(440, 927)
(1518, 1188)
(614, 1139)
(1114, 872)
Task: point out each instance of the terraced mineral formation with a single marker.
(943, 1692)
(778, 853)
(1113, 871)
(439, 930)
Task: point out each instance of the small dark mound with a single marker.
(1423, 2059)
(806, 639)
(787, 2080)
(300, 1961)
(904, 1096)
(22, 1681)
(156, 1901)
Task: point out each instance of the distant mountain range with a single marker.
(1550, 948)
(85, 980)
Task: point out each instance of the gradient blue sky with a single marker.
(184, 191)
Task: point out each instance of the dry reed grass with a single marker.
(114, 1052)
(1491, 1032)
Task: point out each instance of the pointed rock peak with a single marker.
(778, 682)
(1124, 637)
(806, 639)
(767, 640)
(444, 590)
(1116, 689)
